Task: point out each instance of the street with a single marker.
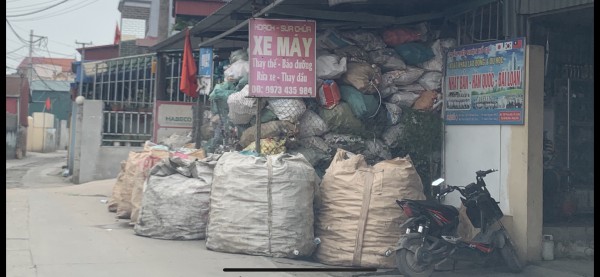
(55, 228)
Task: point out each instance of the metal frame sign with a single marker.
(282, 58)
(172, 117)
(205, 70)
(484, 84)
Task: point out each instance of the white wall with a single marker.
(469, 148)
(516, 151)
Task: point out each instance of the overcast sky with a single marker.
(67, 22)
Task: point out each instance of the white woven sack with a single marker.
(311, 124)
(241, 108)
(287, 109)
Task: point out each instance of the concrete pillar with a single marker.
(72, 132)
(88, 139)
(525, 162)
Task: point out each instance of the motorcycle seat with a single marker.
(447, 209)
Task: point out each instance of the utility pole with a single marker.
(80, 90)
(30, 71)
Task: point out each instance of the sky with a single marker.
(68, 21)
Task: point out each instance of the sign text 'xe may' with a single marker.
(282, 58)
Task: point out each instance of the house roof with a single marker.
(107, 46)
(65, 64)
(48, 85)
(13, 85)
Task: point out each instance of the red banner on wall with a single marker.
(282, 58)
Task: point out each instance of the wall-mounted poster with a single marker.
(205, 70)
(484, 84)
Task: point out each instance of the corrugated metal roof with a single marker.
(368, 13)
(540, 6)
(48, 85)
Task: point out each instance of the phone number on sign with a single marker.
(282, 90)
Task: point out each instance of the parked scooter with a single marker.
(431, 229)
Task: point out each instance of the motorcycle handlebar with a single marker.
(482, 173)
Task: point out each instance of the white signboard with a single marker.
(171, 118)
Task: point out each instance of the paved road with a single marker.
(55, 228)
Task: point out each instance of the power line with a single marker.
(66, 10)
(10, 52)
(40, 10)
(15, 32)
(58, 53)
(36, 5)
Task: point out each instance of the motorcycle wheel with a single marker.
(406, 261)
(509, 254)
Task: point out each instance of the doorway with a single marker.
(568, 115)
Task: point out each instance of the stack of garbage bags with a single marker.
(275, 204)
(365, 79)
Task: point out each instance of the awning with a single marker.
(226, 28)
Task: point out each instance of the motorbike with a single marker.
(431, 231)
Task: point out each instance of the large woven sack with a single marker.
(311, 124)
(241, 108)
(367, 225)
(113, 203)
(262, 205)
(388, 59)
(287, 108)
(141, 175)
(363, 76)
(341, 119)
(122, 190)
(402, 77)
(176, 199)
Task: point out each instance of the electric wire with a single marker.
(10, 52)
(38, 11)
(15, 32)
(28, 7)
(66, 10)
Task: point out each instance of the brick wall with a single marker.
(130, 16)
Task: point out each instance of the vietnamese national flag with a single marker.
(518, 44)
(188, 83)
(117, 35)
(48, 104)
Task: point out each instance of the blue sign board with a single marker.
(205, 67)
(484, 84)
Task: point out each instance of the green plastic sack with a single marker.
(242, 83)
(414, 53)
(341, 119)
(222, 91)
(218, 98)
(266, 115)
(362, 105)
